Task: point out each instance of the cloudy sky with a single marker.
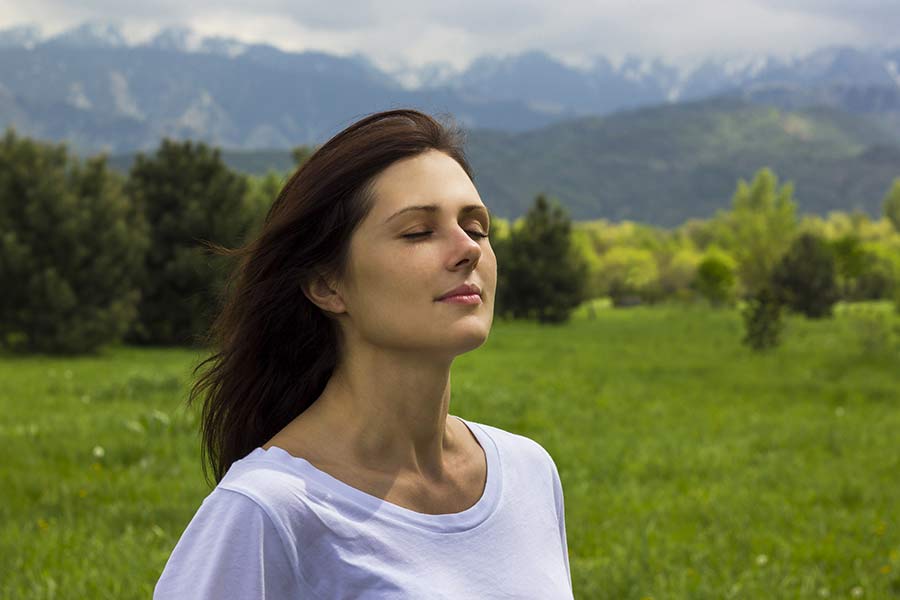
(392, 33)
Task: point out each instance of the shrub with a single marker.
(715, 279)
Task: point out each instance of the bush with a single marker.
(70, 245)
(715, 279)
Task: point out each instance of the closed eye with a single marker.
(475, 234)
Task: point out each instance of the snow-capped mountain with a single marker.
(93, 87)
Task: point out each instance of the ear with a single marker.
(324, 294)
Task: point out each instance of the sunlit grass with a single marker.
(692, 467)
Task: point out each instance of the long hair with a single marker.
(274, 350)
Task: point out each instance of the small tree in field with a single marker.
(804, 279)
(540, 274)
(70, 246)
(762, 321)
(759, 228)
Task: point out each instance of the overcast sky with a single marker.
(391, 32)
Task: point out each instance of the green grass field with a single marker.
(692, 468)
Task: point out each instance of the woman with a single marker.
(325, 415)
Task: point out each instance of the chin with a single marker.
(475, 338)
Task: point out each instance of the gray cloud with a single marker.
(393, 32)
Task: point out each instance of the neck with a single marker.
(388, 412)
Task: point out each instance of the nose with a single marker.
(466, 251)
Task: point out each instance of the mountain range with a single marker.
(638, 139)
(89, 86)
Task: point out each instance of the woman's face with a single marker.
(395, 276)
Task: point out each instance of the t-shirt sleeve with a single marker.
(230, 549)
(561, 515)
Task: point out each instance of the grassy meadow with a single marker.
(692, 468)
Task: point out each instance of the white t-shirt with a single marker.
(276, 527)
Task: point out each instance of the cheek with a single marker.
(388, 283)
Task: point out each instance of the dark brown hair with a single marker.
(273, 349)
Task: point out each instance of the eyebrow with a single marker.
(433, 208)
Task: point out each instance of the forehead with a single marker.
(428, 178)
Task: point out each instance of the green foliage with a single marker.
(880, 276)
(189, 197)
(763, 323)
(715, 278)
(891, 204)
(877, 333)
(70, 244)
(540, 272)
(627, 275)
(261, 193)
(850, 263)
(759, 228)
(804, 279)
(677, 271)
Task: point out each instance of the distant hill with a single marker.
(666, 164)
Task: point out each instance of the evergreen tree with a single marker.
(804, 279)
(70, 245)
(541, 274)
(189, 197)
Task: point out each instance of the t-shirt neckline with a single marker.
(442, 523)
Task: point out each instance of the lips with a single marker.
(465, 289)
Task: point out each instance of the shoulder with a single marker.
(229, 529)
(266, 479)
(517, 448)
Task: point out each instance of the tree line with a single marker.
(89, 256)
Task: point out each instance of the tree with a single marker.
(541, 274)
(804, 279)
(70, 245)
(189, 197)
(892, 204)
(760, 228)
